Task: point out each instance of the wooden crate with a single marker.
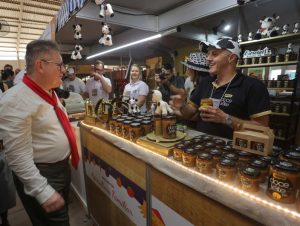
(254, 139)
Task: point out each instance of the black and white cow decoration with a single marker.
(76, 55)
(267, 28)
(296, 27)
(285, 29)
(250, 36)
(77, 31)
(105, 9)
(240, 38)
(289, 49)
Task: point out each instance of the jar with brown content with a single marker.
(137, 120)
(291, 156)
(199, 148)
(147, 127)
(283, 181)
(134, 131)
(187, 143)
(229, 143)
(196, 140)
(227, 149)
(204, 163)
(262, 166)
(208, 145)
(119, 124)
(189, 157)
(157, 125)
(249, 178)
(226, 170)
(216, 153)
(169, 127)
(231, 155)
(177, 151)
(112, 125)
(244, 158)
(125, 129)
(219, 142)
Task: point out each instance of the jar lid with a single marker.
(120, 119)
(251, 171)
(292, 155)
(169, 117)
(230, 142)
(259, 164)
(205, 156)
(140, 116)
(231, 155)
(179, 146)
(268, 159)
(146, 122)
(284, 165)
(127, 122)
(147, 118)
(219, 141)
(227, 162)
(209, 145)
(215, 152)
(196, 140)
(114, 118)
(207, 138)
(198, 147)
(276, 151)
(135, 124)
(186, 142)
(137, 120)
(130, 118)
(190, 151)
(245, 154)
(227, 148)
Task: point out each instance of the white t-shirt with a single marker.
(95, 90)
(76, 86)
(0, 93)
(188, 86)
(134, 90)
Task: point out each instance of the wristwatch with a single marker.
(228, 120)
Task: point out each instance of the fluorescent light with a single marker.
(124, 46)
(227, 27)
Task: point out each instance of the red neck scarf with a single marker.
(60, 115)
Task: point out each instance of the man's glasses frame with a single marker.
(60, 65)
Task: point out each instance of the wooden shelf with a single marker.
(291, 89)
(268, 64)
(283, 138)
(281, 114)
(278, 38)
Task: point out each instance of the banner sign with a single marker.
(259, 53)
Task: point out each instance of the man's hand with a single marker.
(177, 102)
(55, 202)
(212, 114)
(97, 76)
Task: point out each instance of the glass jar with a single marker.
(220, 142)
(177, 151)
(196, 140)
(291, 156)
(249, 178)
(244, 158)
(169, 127)
(125, 129)
(216, 153)
(157, 125)
(199, 148)
(134, 131)
(204, 163)
(147, 127)
(112, 125)
(283, 181)
(208, 145)
(231, 155)
(119, 124)
(138, 120)
(227, 149)
(189, 157)
(226, 170)
(262, 166)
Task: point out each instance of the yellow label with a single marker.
(276, 195)
(279, 176)
(228, 95)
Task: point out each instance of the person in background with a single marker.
(137, 89)
(8, 78)
(98, 86)
(72, 83)
(196, 69)
(237, 98)
(38, 138)
(17, 71)
(8, 67)
(169, 84)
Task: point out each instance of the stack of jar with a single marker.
(165, 126)
(281, 170)
(131, 127)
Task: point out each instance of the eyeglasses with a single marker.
(60, 65)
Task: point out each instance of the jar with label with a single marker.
(244, 158)
(112, 125)
(169, 127)
(268, 159)
(147, 127)
(134, 131)
(262, 166)
(177, 151)
(283, 181)
(119, 124)
(157, 125)
(189, 157)
(226, 170)
(216, 153)
(291, 156)
(204, 163)
(125, 129)
(249, 178)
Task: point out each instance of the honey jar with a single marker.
(134, 131)
(291, 156)
(138, 120)
(229, 143)
(187, 143)
(244, 158)
(119, 124)
(125, 129)
(196, 140)
(216, 153)
(262, 166)
(199, 148)
(147, 127)
(169, 127)
(283, 181)
(208, 145)
(112, 125)
(157, 125)
(226, 170)
(204, 163)
(177, 151)
(219, 142)
(231, 155)
(189, 157)
(227, 148)
(249, 178)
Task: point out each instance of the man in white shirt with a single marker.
(36, 143)
(72, 83)
(98, 86)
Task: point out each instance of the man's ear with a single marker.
(233, 58)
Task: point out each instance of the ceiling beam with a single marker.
(19, 27)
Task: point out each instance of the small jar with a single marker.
(119, 124)
(112, 125)
(189, 157)
(169, 127)
(157, 125)
(227, 149)
(231, 155)
(249, 179)
(262, 166)
(268, 159)
(283, 181)
(291, 156)
(229, 143)
(216, 153)
(138, 120)
(147, 127)
(219, 142)
(204, 163)
(226, 170)
(208, 146)
(125, 129)
(187, 143)
(134, 131)
(199, 148)
(276, 151)
(207, 138)
(244, 158)
(196, 140)
(177, 152)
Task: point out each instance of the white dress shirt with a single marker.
(134, 90)
(31, 133)
(95, 90)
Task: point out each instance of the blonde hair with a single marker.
(140, 70)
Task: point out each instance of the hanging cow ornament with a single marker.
(76, 55)
(105, 9)
(267, 27)
(77, 31)
(105, 39)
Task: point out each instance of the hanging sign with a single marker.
(259, 53)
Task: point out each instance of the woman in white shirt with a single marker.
(137, 89)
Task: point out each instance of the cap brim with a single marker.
(195, 67)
